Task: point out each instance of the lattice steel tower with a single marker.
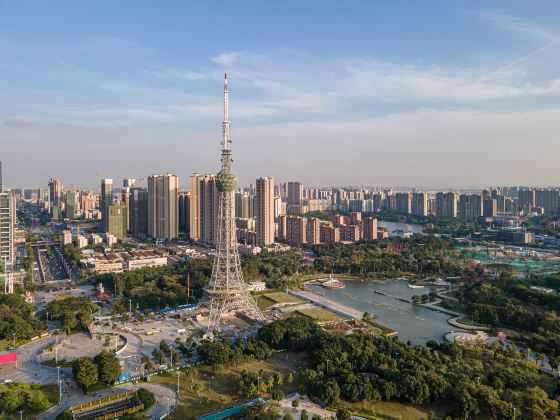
(227, 292)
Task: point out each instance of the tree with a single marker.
(277, 395)
(304, 415)
(109, 367)
(343, 414)
(295, 403)
(288, 416)
(11, 400)
(85, 372)
(146, 397)
(331, 392)
(37, 401)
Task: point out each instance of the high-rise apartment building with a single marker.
(184, 212)
(526, 198)
(209, 201)
(7, 227)
(106, 200)
(71, 204)
(470, 206)
(419, 203)
(1, 180)
(295, 193)
(194, 214)
(264, 211)
(548, 200)
(446, 204)
(313, 231)
(292, 229)
(490, 207)
(138, 211)
(244, 205)
(55, 193)
(329, 233)
(404, 202)
(163, 206)
(117, 216)
(369, 228)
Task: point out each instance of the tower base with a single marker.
(222, 303)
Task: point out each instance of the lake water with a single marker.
(413, 322)
(405, 227)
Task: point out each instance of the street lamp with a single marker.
(14, 334)
(20, 414)
(59, 385)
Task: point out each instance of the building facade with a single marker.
(163, 206)
(264, 210)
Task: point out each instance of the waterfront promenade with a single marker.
(329, 304)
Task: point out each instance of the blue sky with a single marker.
(441, 94)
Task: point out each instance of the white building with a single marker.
(81, 241)
(110, 239)
(96, 239)
(256, 286)
(66, 237)
(7, 228)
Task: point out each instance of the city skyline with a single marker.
(406, 105)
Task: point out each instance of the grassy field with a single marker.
(320, 315)
(282, 297)
(389, 410)
(266, 300)
(263, 302)
(211, 391)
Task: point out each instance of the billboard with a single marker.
(8, 357)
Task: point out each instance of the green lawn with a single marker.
(263, 302)
(390, 410)
(320, 315)
(211, 391)
(52, 363)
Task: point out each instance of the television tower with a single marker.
(227, 292)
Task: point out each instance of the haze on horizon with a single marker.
(435, 93)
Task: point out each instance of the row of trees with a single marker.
(227, 353)
(479, 380)
(104, 367)
(73, 254)
(422, 255)
(160, 287)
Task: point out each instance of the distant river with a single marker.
(405, 227)
(414, 323)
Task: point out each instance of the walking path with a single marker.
(337, 308)
(455, 322)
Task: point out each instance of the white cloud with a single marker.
(514, 24)
(185, 74)
(226, 59)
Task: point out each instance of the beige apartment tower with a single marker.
(264, 210)
(194, 215)
(163, 206)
